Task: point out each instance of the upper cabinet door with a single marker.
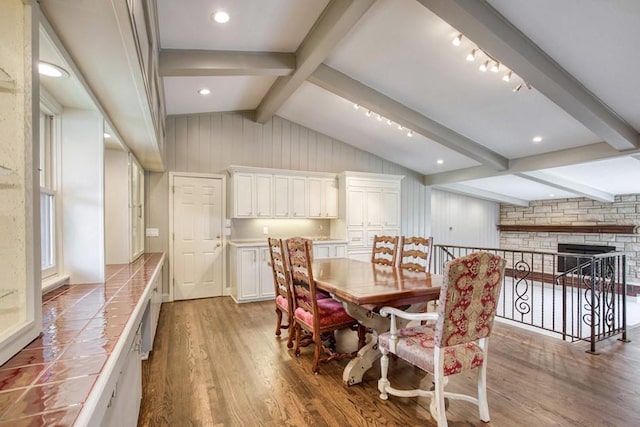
(330, 192)
(355, 207)
(374, 208)
(391, 209)
(281, 196)
(299, 196)
(262, 194)
(315, 197)
(243, 195)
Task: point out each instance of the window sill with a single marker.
(54, 282)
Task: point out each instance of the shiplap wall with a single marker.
(211, 142)
(464, 221)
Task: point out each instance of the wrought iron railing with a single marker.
(585, 302)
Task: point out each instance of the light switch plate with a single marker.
(152, 232)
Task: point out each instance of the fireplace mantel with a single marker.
(579, 229)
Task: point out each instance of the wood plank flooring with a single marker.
(217, 363)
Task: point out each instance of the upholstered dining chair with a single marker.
(284, 301)
(457, 342)
(317, 316)
(415, 253)
(385, 249)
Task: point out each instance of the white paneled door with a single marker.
(197, 239)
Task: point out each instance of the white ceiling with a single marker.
(396, 58)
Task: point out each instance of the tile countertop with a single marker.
(263, 242)
(57, 375)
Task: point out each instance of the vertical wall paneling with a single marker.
(211, 142)
(464, 221)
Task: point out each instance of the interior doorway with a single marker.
(197, 238)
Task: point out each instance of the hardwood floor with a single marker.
(217, 363)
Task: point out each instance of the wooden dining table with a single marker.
(363, 288)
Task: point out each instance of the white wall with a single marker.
(82, 190)
(464, 221)
(116, 206)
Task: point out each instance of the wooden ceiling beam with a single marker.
(348, 88)
(184, 62)
(553, 159)
(481, 23)
(567, 185)
(334, 23)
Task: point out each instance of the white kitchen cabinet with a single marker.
(329, 250)
(251, 194)
(251, 275)
(371, 206)
(322, 195)
(124, 403)
(298, 197)
(278, 193)
(281, 196)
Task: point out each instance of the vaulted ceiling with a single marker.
(574, 63)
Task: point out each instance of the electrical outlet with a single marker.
(265, 230)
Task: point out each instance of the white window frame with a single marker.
(50, 107)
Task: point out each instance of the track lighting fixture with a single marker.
(517, 88)
(495, 67)
(380, 118)
(507, 77)
(471, 56)
(457, 40)
(484, 67)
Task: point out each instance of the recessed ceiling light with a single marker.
(51, 70)
(204, 91)
(440, 161)
(221, 17)
(537, 139)
(551, 195)
(107, 135)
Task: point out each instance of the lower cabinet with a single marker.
(124, 403)
(329, 250)
(251, 274)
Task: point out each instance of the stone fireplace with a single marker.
(577, 221)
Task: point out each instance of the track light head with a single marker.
(369, 113)
(471, 56)
(484, 67)
(495, 67)
(507, 77)
(517, 88)
(457, 40)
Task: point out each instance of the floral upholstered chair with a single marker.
(458, 341)
(312, 312)
(284, 302)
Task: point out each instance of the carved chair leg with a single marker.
(296, 329)
(278, 321)
(383, 382)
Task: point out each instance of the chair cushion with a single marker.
(321, 294)
(282, 303)
(330, 312)
(416, 344)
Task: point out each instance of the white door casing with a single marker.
(197, 237)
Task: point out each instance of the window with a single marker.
(48, 217)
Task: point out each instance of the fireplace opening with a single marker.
(569, 262)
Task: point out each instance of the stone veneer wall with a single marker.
(625, 210)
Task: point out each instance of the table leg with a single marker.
(368, 354)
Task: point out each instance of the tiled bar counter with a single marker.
(84, 368)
